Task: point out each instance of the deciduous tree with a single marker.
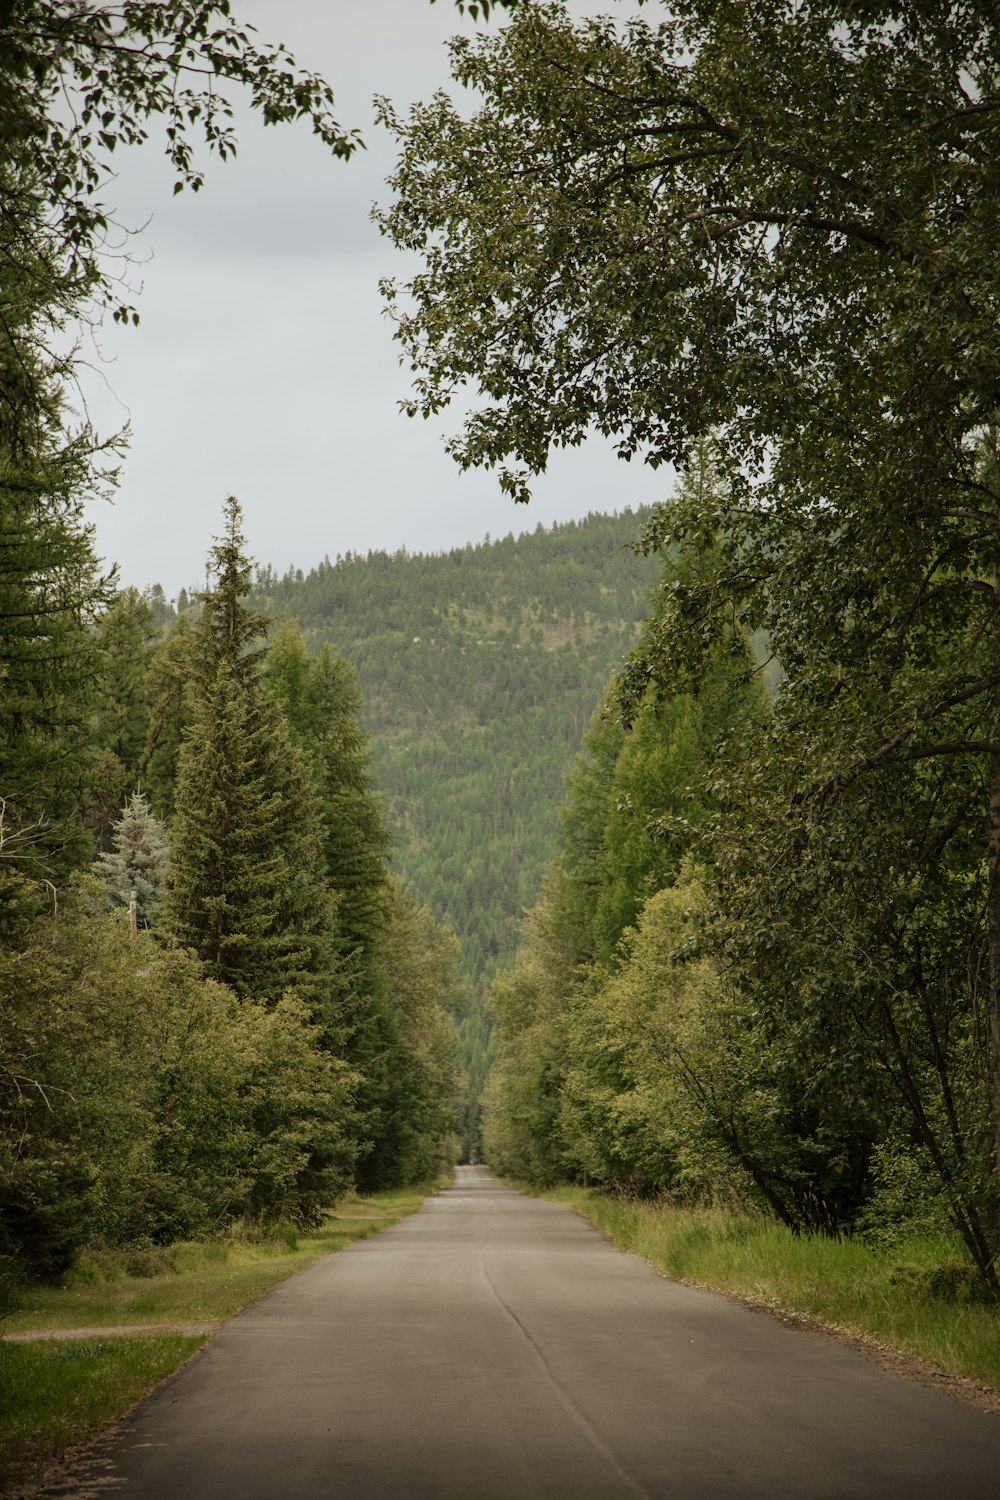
(778, 223)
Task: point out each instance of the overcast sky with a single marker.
(264, 366)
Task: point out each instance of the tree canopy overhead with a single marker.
(707, 222)
(78, 80)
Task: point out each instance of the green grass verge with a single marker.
(60, 1392)
(883, 1294)
(55, 1393)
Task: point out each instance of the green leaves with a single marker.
(140, 1101)
(777, 226)
(669, 231)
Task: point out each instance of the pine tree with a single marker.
(171, 668)
(321, 703)
(247, 889)
(125, 635)
(50, 589)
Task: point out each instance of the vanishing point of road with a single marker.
(492, 1347)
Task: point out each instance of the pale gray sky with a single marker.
(264, 367)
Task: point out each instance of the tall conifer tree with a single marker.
(322, 704)
(247, 889)
(170, 671)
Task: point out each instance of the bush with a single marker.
(141, 1098)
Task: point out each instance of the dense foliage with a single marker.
(150, 1103)
(730, 989)
(239, 1014)
(760, 241)
(777, 224)
(201, 1030)
(479, 669)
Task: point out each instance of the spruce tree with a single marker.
(50, 590)
(137, 861)
(247, 889)
(321, 703)
(171, 668)
(125, 635)
(125, 68)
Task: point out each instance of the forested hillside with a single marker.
(478, 671)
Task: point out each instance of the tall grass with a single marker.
(55, 1392)
(915, 1297)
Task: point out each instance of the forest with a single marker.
(224, 1007)
(478, 671)
(762, 958)
(220, 1010)
(759, 243)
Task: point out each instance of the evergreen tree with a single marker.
(51, 590)
(322, 704)
(124, 69)
(137, 861)
(126, 633)
(419, 962)
(171, 668)
(125, 636)
(247, 889)
(160, 607)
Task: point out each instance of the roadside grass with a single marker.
(56, 1393)
(914, 1296)
(60, 1392)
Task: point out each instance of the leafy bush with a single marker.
(144, 1103)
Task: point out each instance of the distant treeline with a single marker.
(478, 671)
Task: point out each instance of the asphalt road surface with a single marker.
(494, 1347)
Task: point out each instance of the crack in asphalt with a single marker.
(570, 1406)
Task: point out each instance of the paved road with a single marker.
(494, 1347)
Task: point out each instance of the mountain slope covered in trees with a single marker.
(478, 670)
